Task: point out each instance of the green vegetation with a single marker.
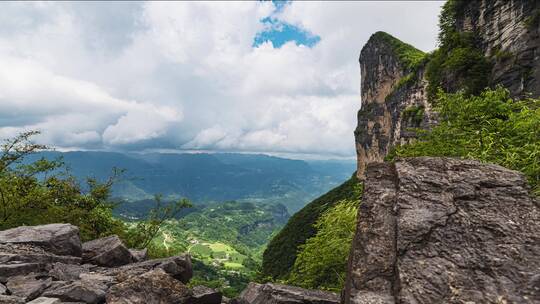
(490, 127)
(459, 59)
(226, 241)
(322, 260)
(414, 115)
(409, 56)
(501, 55)
(32, 194)
(533, 20)
(228, 282)
(43, 192)
(405, 81)
(281, 253)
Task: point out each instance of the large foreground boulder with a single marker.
(439, 230)
(108, 251)
(282, 294)
(60, 239)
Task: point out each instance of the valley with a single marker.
(226, 241)
(239, 202)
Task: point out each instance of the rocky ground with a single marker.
(49, 265)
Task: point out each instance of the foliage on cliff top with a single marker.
(408, 55)
(490, 127)
(281, 253)
(459, 62)
(322, 261)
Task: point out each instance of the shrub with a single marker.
(490, 127)
(322, 261)
(459, 62)
(409, 56)
(280, 255)
(414, 114)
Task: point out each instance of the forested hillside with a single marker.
(282, 251)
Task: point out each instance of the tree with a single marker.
(490, 127)
(44, 191)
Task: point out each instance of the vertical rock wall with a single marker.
(510, 35)
(385, 97)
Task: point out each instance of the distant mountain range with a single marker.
(210, 178)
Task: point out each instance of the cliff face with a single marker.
(393, 99)
(394, 92)
(436, 230)
(509, 35)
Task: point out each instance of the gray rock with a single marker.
(282, 294)
(27, 287)
(3, 289)
(205, 295)
(45, 300)
(179, 267)
(32, 254)
(78, 291)
(99, 278)
(503, 30)
(60, 239)
(17, 269)
(152, 287)
(439, 230)
(108, 251)
(67, 272)
(11, 300)
(139, 255)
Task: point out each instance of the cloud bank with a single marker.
(230, 76)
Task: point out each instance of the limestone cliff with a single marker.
(394, 102)
(394, 88)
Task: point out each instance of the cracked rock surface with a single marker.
(440, 230)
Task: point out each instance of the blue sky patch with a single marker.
(279, 32)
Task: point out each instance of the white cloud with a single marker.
(186, 75)
(71, 112)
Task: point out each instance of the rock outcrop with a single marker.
(439, 230)
(59, 239)
(43, 264)
(109, 252)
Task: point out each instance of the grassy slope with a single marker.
(281, 252)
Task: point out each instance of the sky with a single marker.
(260, 77)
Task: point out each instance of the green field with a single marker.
(217, 252)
